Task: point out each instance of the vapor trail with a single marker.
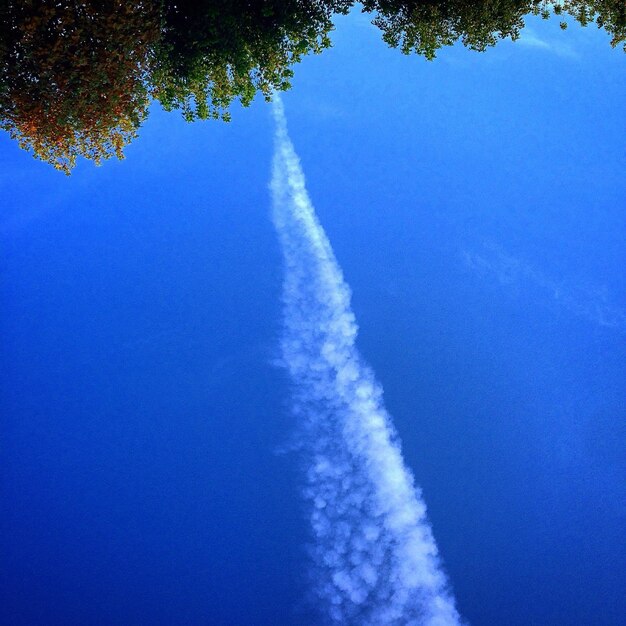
(373, 551)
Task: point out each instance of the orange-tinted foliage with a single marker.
(74, 76)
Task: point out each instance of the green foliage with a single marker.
(214, 51)
(424, 26)
(607, 14)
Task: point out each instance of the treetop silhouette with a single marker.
(77, 76)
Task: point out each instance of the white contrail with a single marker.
(374, 555)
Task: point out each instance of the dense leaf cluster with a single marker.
(214, 51)
(74, 76)
(424, 26)
(77, 76)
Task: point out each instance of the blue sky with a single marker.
(476, 205)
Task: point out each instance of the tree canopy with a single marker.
(77, 76)
(424, 26)
(214, 51)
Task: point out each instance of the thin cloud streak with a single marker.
(590, 303)
(374, 556)
(530, 39)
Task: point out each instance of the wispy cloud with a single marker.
(325, 109)
(530, 39)
(591, 303)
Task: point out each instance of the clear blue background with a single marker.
(476, 204)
